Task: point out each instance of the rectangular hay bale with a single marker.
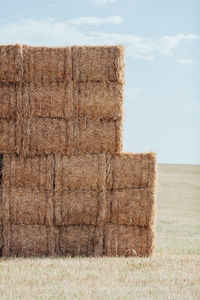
(8, 100)
(123, 240)
(9, 136)
(77, 240)
(132, 207)
(80, 172)
(11, 63)
(98, 99)
(100, 63)
(26, 206)
(43, 65)
(45, 136)
(53, 99)
(31, 172)
(133, 170)
(29, 240)
(97, 136)
(77, 207)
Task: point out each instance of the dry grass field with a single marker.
(172, 273)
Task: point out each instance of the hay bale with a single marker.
(122, 240)
(11, 63)
(43, 65)
(9, 136)
(28, 240)
(77, 207)
(8, 101)
(53, 99)
(132, 171)
(132, 207)
(98, 99)
(97, 136)
(105, 63)
(27, 206)
(1, 238)
(77, 240)
(80, 172)
(44, 136)
(31, 172)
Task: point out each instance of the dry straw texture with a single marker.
(78, 240)
(97, 136)
(98, 63)
(43, 65)
(121, 240)
(28, 240)
(53, 99)
(31, 172)
(8, 101)
(98, 99)
(132, 207)
(26, 206)
(80, 172)
(9, 135)
(11, 64)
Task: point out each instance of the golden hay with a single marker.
(1, 238)
(134, 171)
(105, 63)
(45, 136)
(31, 172)
(97, 136)
(9, 139)
(43, 65)
(26, 206)
(132, 207)
(80, 172)
(11, 63)
(8, 101)
(76, 207)
(29, 240)
(122, 240)
(98, 99)
(77, 240)
(50, 100)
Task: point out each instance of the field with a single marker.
(172, 273)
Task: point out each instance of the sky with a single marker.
(162, 42)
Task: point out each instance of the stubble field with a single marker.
(172, 273)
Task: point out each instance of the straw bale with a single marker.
(104, 63)
(54, 99)
(1, 239)
(45, 136)
(76, 207)
(133, 171)
(31, 172)
(28, 240)
(26, 206)
(77, 240)
(8, 100)
(8, 136)
(80, 172)
(99, 99)
(123, 240)
(43, 65)
(97, 136)
(132, 207)
(10, 63)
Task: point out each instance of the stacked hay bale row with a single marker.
(66, 187)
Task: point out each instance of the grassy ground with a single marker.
(172, 273)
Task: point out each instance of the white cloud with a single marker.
(187, 61)
(96, 21)
(53, 33)
(102, 2)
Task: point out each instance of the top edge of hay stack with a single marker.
(66, 188)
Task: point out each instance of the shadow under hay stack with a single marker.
(66, 188)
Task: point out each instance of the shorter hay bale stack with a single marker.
(65, 186)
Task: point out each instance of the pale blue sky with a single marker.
(162, 40)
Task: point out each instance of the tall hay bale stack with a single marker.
(66, 188)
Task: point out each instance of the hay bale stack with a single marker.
(65, 186)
